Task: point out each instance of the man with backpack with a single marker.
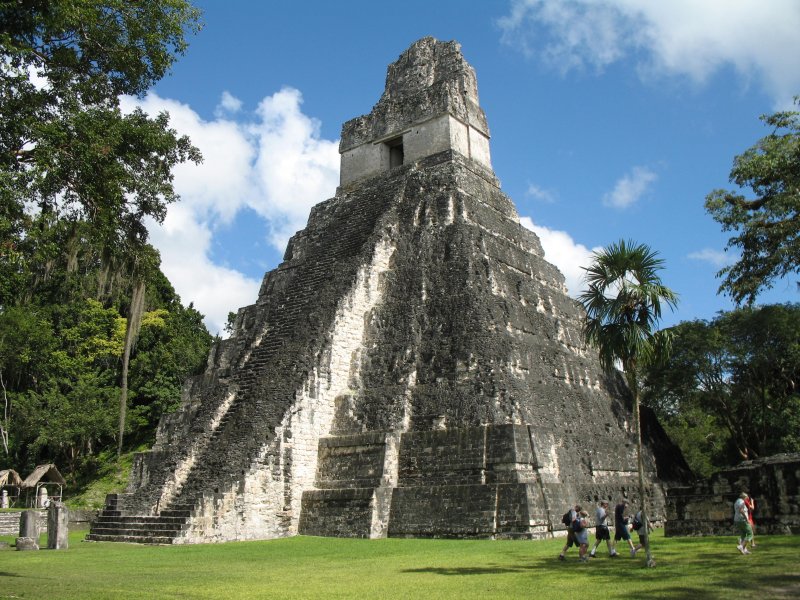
(638, 526)
(569, 519)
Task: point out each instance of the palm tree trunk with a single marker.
(640, 468)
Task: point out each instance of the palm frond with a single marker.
(623, 303)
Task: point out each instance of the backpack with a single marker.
(577, 525)
(566, 520)
(637, 524)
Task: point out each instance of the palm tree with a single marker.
(623, 306)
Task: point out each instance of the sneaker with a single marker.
(745, 551)
(591, 555)
(561, 557)
(633, 551)
(741, 548)
(613, 555)
(584, 559)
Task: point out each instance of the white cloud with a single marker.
(184, 242)
(295, 169)
(717, 258)
(228, 104)
(565, 253)
(538, 193)
(630, 188)
(681, 37)
(273, 162)
(218, 187)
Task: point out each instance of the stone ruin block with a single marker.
(706, 507)
(57, 526)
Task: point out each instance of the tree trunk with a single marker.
(6, 416)
(131, 333)
(634, 385)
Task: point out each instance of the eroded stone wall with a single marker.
(706, 508)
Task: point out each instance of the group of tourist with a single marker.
(577, 521)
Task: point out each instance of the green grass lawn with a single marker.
(307, 567)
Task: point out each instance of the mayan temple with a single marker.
(413, 367)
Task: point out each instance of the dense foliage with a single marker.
(78, 180)
(60, 363)
(66, 148)
(730, 388)
(767, 226)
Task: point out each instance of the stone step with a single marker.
(135, 531)
(132, 523)
(176, 513)
(103, 519)
(131, 539)
(181, 506)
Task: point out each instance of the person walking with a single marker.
(581, 529)
(639, 526)
(621, 531)
(569, 519)
(751, 507)
(601, 531)
(741, 521)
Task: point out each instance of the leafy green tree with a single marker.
(93, 173)
(65, 145)
(60, 367)
(63, 408)
(26, 349)
(767, 225)
(729, 390)
(623, 305)
(173, 345)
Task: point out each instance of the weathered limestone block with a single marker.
(338, 512)
(27, 543)
(29, 526)
(57, 526)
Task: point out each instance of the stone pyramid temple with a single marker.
(413, 367)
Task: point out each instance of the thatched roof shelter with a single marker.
(10, 477)
(43, 474)
(10, 484)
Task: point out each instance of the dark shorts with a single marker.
(602, 533)
(571, 541)
(643, 539)
(622, 534)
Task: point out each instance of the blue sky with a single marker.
(609, 119)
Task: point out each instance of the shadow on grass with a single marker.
(6, 574)
(683, 572)
(466, 570)
(786, 585)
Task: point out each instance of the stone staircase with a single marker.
(114, 525)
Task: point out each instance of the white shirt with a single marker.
(739, 511)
